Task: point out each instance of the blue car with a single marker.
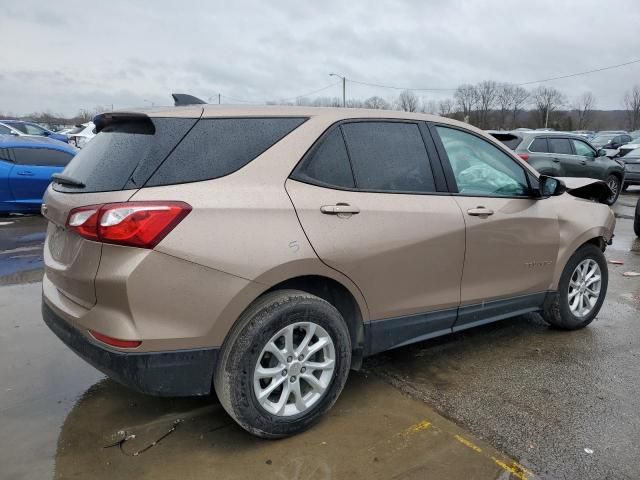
(26, 166)
(20, 128)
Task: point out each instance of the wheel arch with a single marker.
(341, 298)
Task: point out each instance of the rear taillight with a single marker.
(524, 156)
(134, 224)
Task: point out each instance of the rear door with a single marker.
(370, 196)
(562, 151)
(512, 239)
(32, 173)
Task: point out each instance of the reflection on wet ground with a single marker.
(564, 403)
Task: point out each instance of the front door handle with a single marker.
(556, 160)
(583, 162)
(480, 211)
(25, 173)
(339, 209)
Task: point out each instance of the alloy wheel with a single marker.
(584, 287)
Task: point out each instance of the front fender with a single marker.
(579, 224)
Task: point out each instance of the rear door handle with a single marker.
(339, 209)
(25, 173)
(480, 212)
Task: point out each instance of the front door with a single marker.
(374, 213)
(512, 239)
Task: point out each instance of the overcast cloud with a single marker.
(67, 55)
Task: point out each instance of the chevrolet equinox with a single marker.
(263, 252)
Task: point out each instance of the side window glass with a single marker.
(388, 156)
(560, 145)
(42, 157)
(583, 149)
(480, 168)
(539, 145)
(328, 163)
(5, 130)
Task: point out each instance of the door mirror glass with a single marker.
(550, 187)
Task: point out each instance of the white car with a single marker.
(82, 134)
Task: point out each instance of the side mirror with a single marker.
(601, 152)
(46, 134)
(550, 187)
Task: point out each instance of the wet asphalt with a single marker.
(514, 399)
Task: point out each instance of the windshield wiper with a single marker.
(68, 181)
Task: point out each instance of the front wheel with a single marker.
(613, 182)
(284, 364)
(581, 290)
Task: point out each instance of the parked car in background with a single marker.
(584, 133)
(22, 128)
(629, 147)
(560, 154)
(26, 166)
(610, 141)
(384, 228)
(632, 168)
(81, 134)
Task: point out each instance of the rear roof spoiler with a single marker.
(135, 119)
(183, 99)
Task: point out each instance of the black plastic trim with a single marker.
(176, 373)
(388, 333)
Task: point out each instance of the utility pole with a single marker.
(344, 88)
(219, 99)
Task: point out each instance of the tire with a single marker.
(557, 310)
(614, 184)
(625, 186)
(246, 345)
(636, 220)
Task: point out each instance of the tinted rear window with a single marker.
(560, 145)
(539, 145)
(110, 159)
(165, 151)
(218, 147)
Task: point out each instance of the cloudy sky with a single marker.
(66, 55)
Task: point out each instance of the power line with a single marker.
(581, 73)
(394, 87)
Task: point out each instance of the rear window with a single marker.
(539, 145)
(165, 151)
(218, 147)
(560, 145)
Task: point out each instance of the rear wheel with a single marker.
(613, 182)
(581, 290)
(284, 364)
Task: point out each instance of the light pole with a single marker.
(344, 81)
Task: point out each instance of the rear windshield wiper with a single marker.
(68, 181)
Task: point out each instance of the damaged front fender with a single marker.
(587, 188)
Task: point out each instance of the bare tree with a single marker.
(466, 97)
(408, 101)
(632, 104)
(430, 106)
(504, 99)
(377, 103)
(520, 97)
(547, 100)
(583, 105)
(487, 92)
(445, 107)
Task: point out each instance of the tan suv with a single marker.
(264, 251)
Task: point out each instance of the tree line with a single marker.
(487, 105)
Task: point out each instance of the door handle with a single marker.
(339, 209)
(480, 211)
(25, 173)
(556, 160)
(583, 162)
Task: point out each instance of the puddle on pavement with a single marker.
(373, 431)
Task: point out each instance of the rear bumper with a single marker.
(175, 373)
